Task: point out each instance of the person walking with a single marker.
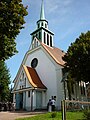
(53, 104)
(49, 106)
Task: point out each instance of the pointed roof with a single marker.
(42, 15)
(55, 53)
(33, 77)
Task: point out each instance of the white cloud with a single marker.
(51, 6)
(58, 5)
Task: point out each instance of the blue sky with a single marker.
(67, 19)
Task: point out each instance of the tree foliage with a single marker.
(78, 58)
(12, 14)
(4, 82)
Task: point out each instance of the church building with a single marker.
(39, 77)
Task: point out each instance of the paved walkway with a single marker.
(17, 114)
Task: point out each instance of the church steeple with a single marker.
(42, 22)
(42, 15)
(42, 33)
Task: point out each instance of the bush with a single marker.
(87, 115)
(53, 115)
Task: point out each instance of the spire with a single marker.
(42, 33)
(42, 16)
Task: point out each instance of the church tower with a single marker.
(42, 33)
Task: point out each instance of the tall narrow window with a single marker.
(35, 43)
(39, 35)
(28, 93)
(51, 41)
(44, 37)
(45, 25)
(47, 39)
(22, 76)
(25, 83)
(42, 23)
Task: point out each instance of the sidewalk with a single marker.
(18, 114)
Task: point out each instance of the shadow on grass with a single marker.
(80, 119)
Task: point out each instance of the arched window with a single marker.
(44, 37)
(37, 44)
(51, 41)
(47, 39)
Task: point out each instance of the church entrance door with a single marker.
(21, 100)
(38, 99)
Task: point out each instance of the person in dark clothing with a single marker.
(53, 104)
(5, 107)
(49, 108)
(0, 106)
(10, 106)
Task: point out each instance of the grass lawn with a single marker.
(47, 116)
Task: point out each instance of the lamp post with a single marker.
(65, 94)
(64, 80)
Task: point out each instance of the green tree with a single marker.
(12, 14)
(78, 58)
(4, 82)
(10, 95)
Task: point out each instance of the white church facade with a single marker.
(40, 74)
